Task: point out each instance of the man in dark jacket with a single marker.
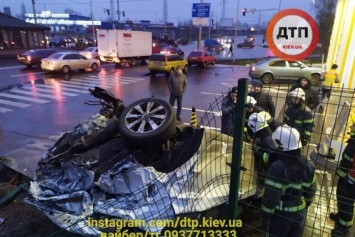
(228, 107)
(311, 95)
(345, 188)
(263, 99)
(177, 83)
(290, 186)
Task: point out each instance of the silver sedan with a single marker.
(68, 61)
(275, 68)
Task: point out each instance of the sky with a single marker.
(177, 10)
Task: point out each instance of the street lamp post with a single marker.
(236, 30)
(280, 5)
(92, 21)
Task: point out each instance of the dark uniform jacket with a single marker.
(312, 95)
(346, 167)
(264, 101)
(290, 185)
(300, 117)
(227, 119)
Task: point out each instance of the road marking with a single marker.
(27, 74)
(51, 91)
(98, 82)
(4, 110)
(12, 103)
(4, 68)
(24, 98)
(37, 94)
(61, 87)
(209, 93)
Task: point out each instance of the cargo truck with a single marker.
(121, 46)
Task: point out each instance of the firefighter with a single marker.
(299, 116)
(250, 109)
(330, 77)
(289, 186)
(346, 187)
(263, 145)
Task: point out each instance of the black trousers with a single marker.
(346, 199)
(287, 224)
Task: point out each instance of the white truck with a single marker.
(120, 46)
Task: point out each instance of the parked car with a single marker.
(166, 63)
(90, 52)
(67, 61)
(201, 57)
(86, 42)
(182, 41)
(246, 44)
(172, 50)
(57, 41)
(33, 57)
(275, 68)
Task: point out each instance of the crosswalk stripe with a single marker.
(13, 103)
(4, 110)
(96, 82)
(50, 87)
(37, 94)
(64, 85)
(114, 83)
(133, 78)
(24, 98)
(51, 91)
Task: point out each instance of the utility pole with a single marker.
(92, 21)
(34, 11)
(118, 11)
(236, 31)
(199, 34)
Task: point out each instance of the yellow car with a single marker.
(166, 63)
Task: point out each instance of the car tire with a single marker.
(152, 73)
(213, 62)
(65, 69)
(190, 64)
(132, 62)
(28, 66)
(94, 67)
(147, 123)
(267, 78)
(204, 64)
(185, 70)
(315, 79)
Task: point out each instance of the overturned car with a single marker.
(136, 163)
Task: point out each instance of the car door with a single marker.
(208, 57)
(83, 62)
(278, 69)
(72, 61)
(296, 69)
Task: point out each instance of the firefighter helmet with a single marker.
(286, 138)
(257, 121)
(250, 102)
(298, 93)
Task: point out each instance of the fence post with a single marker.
(237, 149)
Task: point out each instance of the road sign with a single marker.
(292, 34)
(201, 9)
(201, 21)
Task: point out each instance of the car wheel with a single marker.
(29, 66)
(185, 69)
(190, 64)
(204, 64)
(213, 62)
(147, 123)
(94, 67)
(239, 46)
(267, 78)
(315, 79)
(65, 69)
(152, 72)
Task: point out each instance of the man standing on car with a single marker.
(330, 77)
(177, 83)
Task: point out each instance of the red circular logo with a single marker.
(292, 34)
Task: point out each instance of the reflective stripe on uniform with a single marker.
(341, 173)
(309, 184)
(268, 210)
(266, 158)
(285, 116)
(273, 184)
(351, 178)
(348, 157)
(304, 121)
(346, 223)
(294, 208)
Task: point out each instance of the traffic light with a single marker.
(244, 11)
(123, 14)
(108, 11)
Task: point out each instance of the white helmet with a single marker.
(286, 138)
(298, 93)
(250, 101)
(257, 122)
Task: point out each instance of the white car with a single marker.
(90, 52)
(68, 61)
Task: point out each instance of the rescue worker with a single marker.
(250, 109)
(263, 99)
(299, 116)
(263, 146)
(346, 187)
(289, 186)
(311, 95)
(330, 77)
(228, 107)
